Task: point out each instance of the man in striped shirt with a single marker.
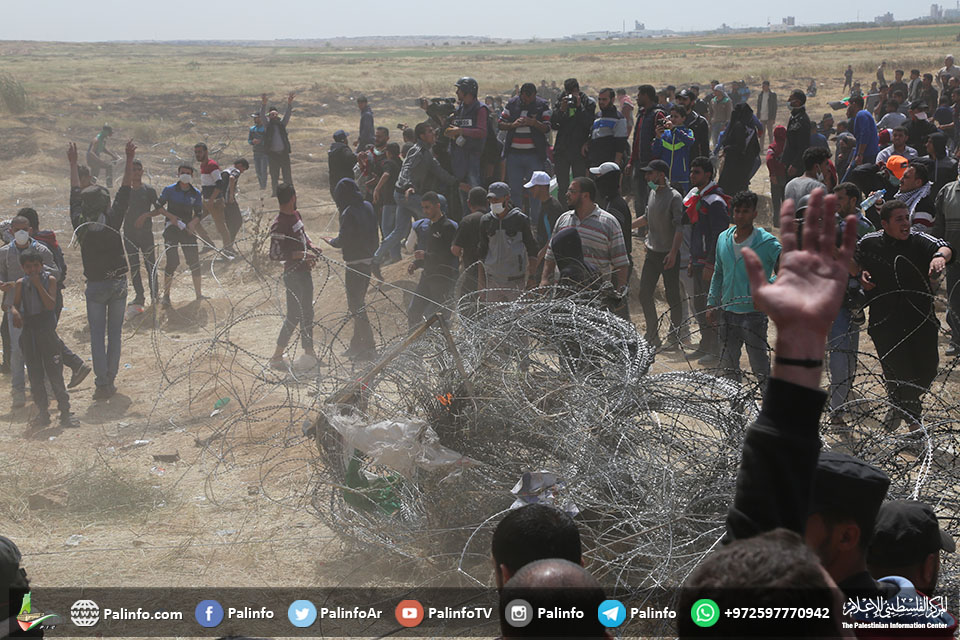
(600, 233)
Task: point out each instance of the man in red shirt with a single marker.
(290, 244)
(212, 194)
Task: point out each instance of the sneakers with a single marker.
(709, 359)
(306, 362)
(78, 376)
(19, 399)
(67, 421)
(139, 302)
(105, 392)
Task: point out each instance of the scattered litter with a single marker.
(542, 487)
(73, 540)
(219, 405)
(226, 532)
(253, 490)
(166, 457)
(123, 424)
(158, 471)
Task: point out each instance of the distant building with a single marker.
(790, 21)
(952, 14)
(936, 12)
(886, 18)
(639, 26)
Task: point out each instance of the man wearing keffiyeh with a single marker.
(916, 192)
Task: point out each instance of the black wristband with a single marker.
(797, 362)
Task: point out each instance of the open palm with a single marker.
(811, 282)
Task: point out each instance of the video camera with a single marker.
(440, 109)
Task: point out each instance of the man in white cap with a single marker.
(550, 208)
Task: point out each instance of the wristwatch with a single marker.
(939, 255)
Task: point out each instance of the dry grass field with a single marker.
(147, 523)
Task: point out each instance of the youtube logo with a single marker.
(409, 613)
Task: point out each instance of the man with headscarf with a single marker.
(741, 145)
(358, 239)
(798, 134)
(916, 191)
(97, 226)
(340, 159)
(778, 170)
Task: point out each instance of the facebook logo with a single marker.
(209, 613)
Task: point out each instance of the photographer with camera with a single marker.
(572, 119)
(468, 130)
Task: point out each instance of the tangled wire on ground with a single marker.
(419, 453)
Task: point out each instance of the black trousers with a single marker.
(279, 161)
(564, 164)
(233, 219)
(909, 358)
(709, 341)
(649, 275)
(356, 280)
(433, 293)
(41, 348)
(135, 244)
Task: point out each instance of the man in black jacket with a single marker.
(97, 226)
(340, 160)
(276, 142)
(358, 240)
(697, 124)
(798, 134)
(572, 119)
(440, 266)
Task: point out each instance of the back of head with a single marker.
(554, 585)
(347, 193)
(773, 569)
(477, 198)
(285, 193)
(534, 532)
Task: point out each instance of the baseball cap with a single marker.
(656, 165)
(339, 135)
(538, 178)
(918, 105)
(685, 93)
(605, 168)
(897, 165)
(254, 115)
(9, 563)
(906, 532)
(848, 485)
(498, 190)
(719, 87)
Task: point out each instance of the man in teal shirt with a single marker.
(730, 300)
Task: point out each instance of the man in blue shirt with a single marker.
(865, 131)
(261, 161)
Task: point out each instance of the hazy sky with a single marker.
(99, 20)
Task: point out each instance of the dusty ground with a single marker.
(215, 517)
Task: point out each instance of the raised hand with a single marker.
(130, 149)
(810, 284)
(263, 98)
(72, 152)
(291, 96)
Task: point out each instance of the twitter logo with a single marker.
(611, 613)
(302, 613)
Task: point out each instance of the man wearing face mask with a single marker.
(97, 226)
(10, 272)
(181, 204)
(507, 248)
(276, 141)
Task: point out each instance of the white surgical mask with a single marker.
(186, 178)
(22, 237)
(496, 208)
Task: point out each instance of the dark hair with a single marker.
(361, 98)
(31, 216)
(901, 129)
(613, 94)
(746, 199)
(647, 90)
(477, 197)
(899, 92)
(587, 186)
(393, 148)
(30, 255)
(857, 101)
(920, 170)
(886, 211)
(800, 95)
(900, 71)
(773, 569)
(892, 104)
(814, 156)
(680, 110)
(928, 76)
(864, 522)
(430, 196)
(703, 163)
(853, 191)
(242, 162)
(185, 166)
(285, 193)
(422, 128)
(571, 84)
(384, 129)
(108, 129)
(534, 532)
(549, 584)
(202, 145)
(916, 71)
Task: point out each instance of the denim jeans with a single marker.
(471, 176)
(408, 209)
(388, 220)
(261, 163)
(842, 346)
(106, 302)
(744, 329)
(520, 166)
(17, 374)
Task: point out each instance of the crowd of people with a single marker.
(869, 227)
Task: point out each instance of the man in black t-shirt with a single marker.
(138, 239)
(383, 194)
(466, 244)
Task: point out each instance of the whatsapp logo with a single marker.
(705, 613)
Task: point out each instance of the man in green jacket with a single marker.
(730, 300)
